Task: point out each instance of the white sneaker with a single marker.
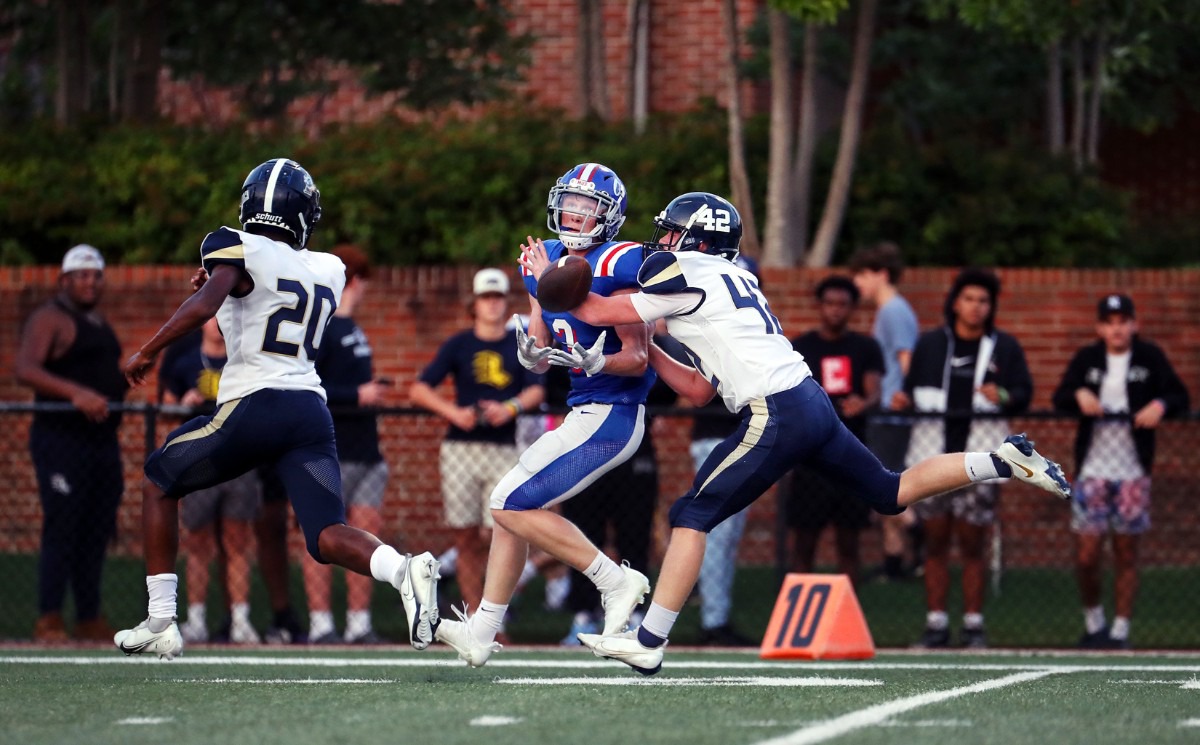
(1032, 468)
(243, 633)
(457, 634)
(418, 592)
(618, 604)
(167, 644)
(625, 647)
(194, 630)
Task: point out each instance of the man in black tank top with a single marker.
(69, 354)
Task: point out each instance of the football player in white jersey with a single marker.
(739, 352)
(272, 298)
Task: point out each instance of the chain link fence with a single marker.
(1031, 594)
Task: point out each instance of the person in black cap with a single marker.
(1121, 386)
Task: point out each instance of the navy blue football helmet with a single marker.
(604, 202)
(706, 222)
(281, 194)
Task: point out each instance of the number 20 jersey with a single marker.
(272, 333)
(718, 313)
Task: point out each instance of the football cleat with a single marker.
(457, 634)
(1032, 468)
(241, 632)
(194, 630)
(618, 604)
(418, 592)
(167, 643)
(625, 647)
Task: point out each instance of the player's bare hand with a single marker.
(138, 366)
(1149, 415)
(91, 404)
(533, 256)
(853, 405)
(901, 401)
(371, 393)
(464, 418)
(199, 277)
(1089, 404)
(192, 398)
(495, 413)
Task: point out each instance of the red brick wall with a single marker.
(409, 312)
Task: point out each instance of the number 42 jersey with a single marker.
(715, 309)
(272, 333)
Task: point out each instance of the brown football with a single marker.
(565, 285)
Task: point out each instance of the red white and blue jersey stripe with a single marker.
(615, 267)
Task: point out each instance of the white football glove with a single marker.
(591, 360)
(531, 356)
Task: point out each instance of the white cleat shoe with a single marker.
(618, 604)
(194, 631)
(243, 633)
(457, 634)
(625, 647)
(418, 592)
(1031, 467)
(167, 643)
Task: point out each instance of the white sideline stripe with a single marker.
(1190, 723)
(1187, 685)
(929, 723)
(145, 720)
(681, 682)
(880, 713)
(586, 663)
(493, 721)
(289, 681)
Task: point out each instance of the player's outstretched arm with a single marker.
(683, 379)
(190, 315)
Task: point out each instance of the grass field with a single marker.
(1035, 607)
(535, 696)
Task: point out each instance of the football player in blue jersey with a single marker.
(273, 299)
(738, 351)
(609, 382)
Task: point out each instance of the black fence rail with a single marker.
(1031, 597)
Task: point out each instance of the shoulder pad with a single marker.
(661, 274)
(222, 246)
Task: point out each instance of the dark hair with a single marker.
(357, 264)
(884, 255)
(974, 277)
(837, 282)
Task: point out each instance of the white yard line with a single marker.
(588, 663)
(812, 682)
(880, 713)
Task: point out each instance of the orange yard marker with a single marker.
(817, 617)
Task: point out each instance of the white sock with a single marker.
(980, 466)
(240, 613)
(358, 623)
(320, 623)
(486, 622)
(973, 621)
(1120, 628)
(196, 613)
(162, 589)
(659, 621)
(937, 620)
(1093, 619)
(605, 573)
(387, 565)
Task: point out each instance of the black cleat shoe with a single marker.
(933, 639)
(973, 638)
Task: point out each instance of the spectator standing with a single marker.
(223, 514)
(849, 366)
(1121, 386)
(876, 270)
(491, 388)
(345, 365)
(965, 366)
(69, 354)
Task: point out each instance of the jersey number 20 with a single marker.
(295, 314)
